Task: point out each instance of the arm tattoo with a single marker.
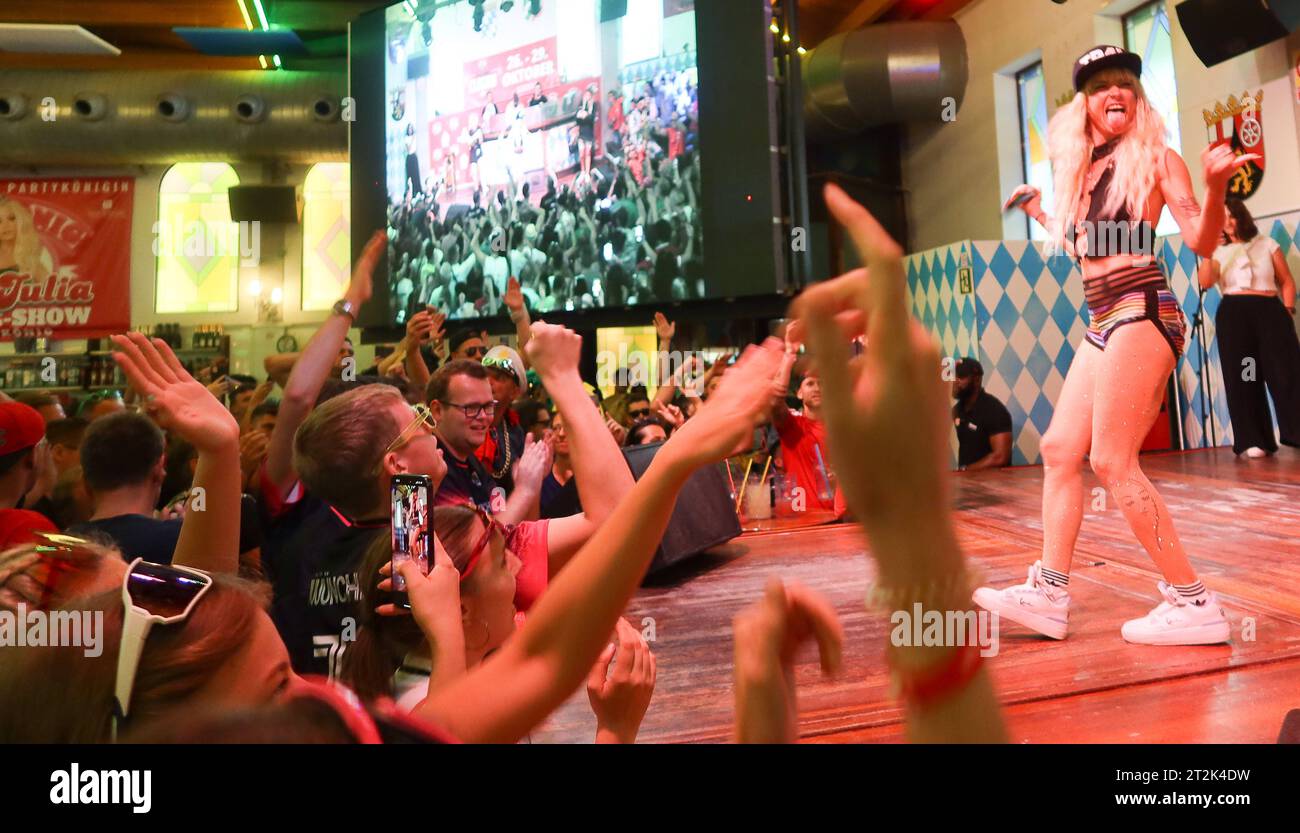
(1189, 205)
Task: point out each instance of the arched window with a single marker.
(197, 247)
(326, 235)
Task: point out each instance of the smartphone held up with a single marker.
(412, 536)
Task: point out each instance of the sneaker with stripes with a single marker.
(1036, 604)
(1189, 615)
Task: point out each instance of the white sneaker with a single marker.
(1176, 621)
(1255, 453)
(1034, 604)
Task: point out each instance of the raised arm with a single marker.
(209, 538)
(506, 696)
(314, 366)
(599, 469)
(1201, 228)
(514, 299)
(279, 366)
(886, 414)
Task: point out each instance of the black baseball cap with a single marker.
(1104, 57)
(968, 367)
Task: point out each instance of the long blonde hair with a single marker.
(1138, 160)
(27, 243)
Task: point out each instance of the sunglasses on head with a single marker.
(152, 594)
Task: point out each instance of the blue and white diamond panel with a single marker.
(1027, 316)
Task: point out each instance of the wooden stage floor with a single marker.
(1240, 522)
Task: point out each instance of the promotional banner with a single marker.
(65, 257)
(494, 79)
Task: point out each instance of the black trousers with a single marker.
(1259, 328)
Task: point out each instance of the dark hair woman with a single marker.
(1258, 347)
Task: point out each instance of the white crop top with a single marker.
(1247, 266)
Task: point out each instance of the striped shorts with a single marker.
(1150, 303)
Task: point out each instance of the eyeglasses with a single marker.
(475, 352)
(152, 594)
(638, 413)
(474, 411)
(490, 524)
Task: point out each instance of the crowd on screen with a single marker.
(622, 227)
(265, 522)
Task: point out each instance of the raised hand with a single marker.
(420, 329)
(172, 397)
(738, 404)
(887, 409)
(617, 431)
(553, 350)
(621, 697)
(767, 636)
(252, 451)
(514, 297)
(534, 464)
(664, 328)
(1220, 163)
(670, 413)
(361, 287)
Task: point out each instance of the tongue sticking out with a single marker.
(1115, 119)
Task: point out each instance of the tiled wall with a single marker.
(1026, 316)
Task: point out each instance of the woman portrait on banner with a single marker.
(1258, 348)
(21, 249)
(1114, 176)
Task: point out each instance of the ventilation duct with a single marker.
(142, 118)
(884, 74)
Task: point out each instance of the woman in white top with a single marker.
(1257, 339)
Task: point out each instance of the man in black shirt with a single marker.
(461, 398)
(983, 423)
(123, 463)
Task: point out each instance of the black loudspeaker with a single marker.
(703, 517)
(612, 10)
(456, 212)
(1222, 29)
(264, 203)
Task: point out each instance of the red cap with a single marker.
(21, 427)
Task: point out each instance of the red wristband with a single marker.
(930, 687)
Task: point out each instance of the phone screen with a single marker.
(411, 527)
(609, 251)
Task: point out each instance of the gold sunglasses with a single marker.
(423, 416)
